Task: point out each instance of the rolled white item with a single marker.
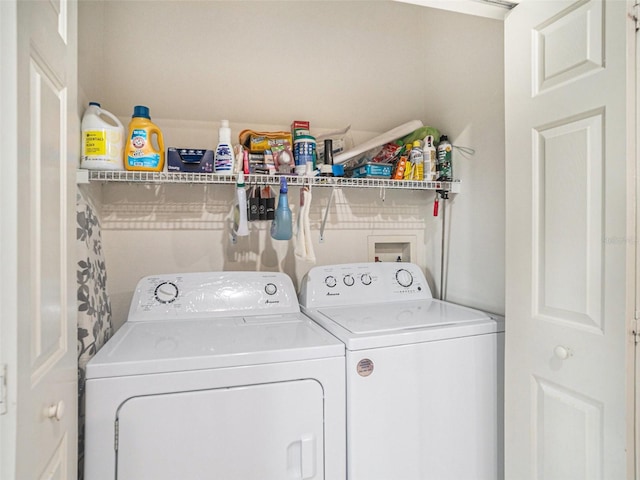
(308, 243)
(241, 228)
(299, 247)
(386, 137)
(303, 249)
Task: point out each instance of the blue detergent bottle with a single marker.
(281, 227)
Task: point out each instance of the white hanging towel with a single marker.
(304, 246)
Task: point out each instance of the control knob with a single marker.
(404, 277)
(330, 281)
(166, 292)
(365, 278)
(348, 280)
(270, 289)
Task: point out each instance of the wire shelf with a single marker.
(85, 176)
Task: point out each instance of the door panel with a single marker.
(48, 144)
(568, 45)
(262, 432)
(566, 299)
(567, 215)
(47, 212)
(581, 418)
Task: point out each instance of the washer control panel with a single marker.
(213, 294)
(363, 283)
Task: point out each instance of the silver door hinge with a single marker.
(3, 389)
(635, 16)
(116, 434)
(636, 327)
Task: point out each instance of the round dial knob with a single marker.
(404, 277)
(348, 280)
(270, 288)
(166, 292)
(330, 281)
(365, 279)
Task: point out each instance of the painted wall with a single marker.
(369, 64)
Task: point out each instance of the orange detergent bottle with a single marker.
(144, 150)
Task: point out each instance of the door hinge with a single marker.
(636, 328)
(635, 16)
(116, 435)
(3, 389)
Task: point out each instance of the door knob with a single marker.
(562, 352)
(55, 411)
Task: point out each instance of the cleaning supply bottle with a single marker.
(429, 155)
(444, 150)
(102, 139)
(144, 150)
(408, 168)
(281, 227)
(224, 151)
(240, 226)
(417, 161)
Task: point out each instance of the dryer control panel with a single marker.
(212, 294)
(363, 283)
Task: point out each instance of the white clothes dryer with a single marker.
(424, 376)
(216, 375)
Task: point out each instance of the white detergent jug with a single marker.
(102, 140)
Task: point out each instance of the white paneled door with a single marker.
(570, 133)
(40, 147)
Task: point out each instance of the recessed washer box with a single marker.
(392, 248)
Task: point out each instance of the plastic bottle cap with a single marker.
(305, 138)
(240, 182)
(141, 111)
(224, 133)
(283, 185)
(416, 144)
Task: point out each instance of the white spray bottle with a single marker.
(224, 156)
(240, 225)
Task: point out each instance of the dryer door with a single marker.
(269, 431)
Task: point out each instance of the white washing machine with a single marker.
(216, 376)
(424, 377)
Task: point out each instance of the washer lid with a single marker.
(398, 323)
(157, 347)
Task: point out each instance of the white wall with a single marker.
(369, 64)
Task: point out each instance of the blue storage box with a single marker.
(378, 170)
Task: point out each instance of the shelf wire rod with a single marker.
(326, 214)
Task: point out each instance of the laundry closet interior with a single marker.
(361, 66)
(368, 65)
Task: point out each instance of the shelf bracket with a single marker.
(326, 214)
(82, 176)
